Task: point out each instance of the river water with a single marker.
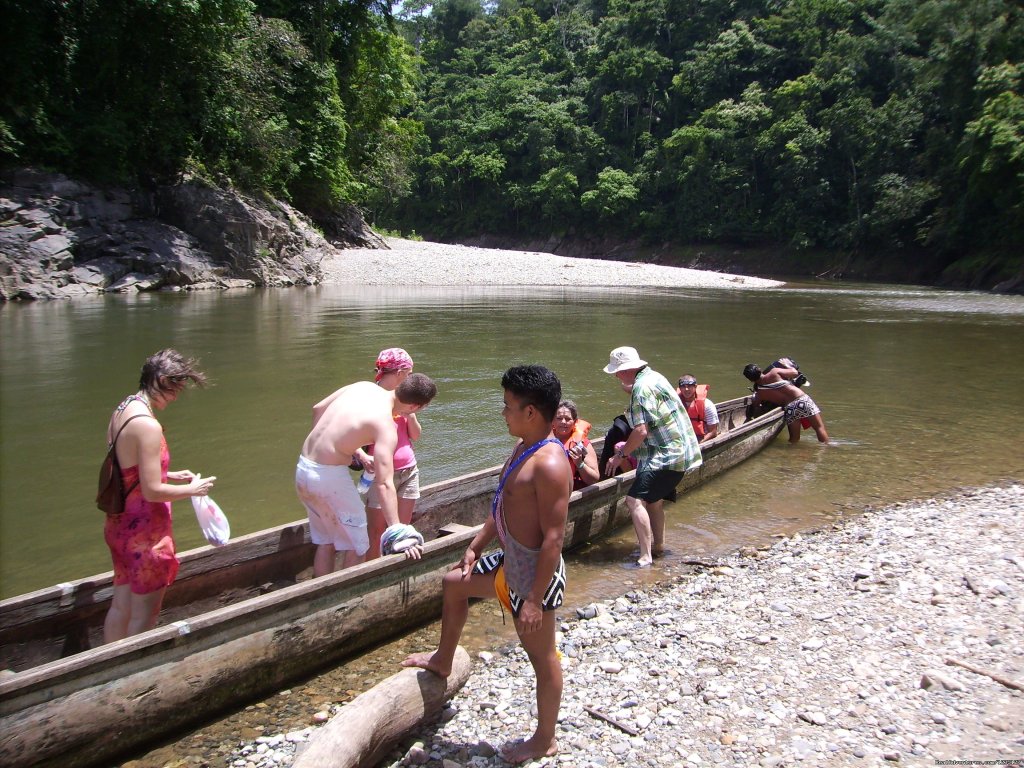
(918, 389)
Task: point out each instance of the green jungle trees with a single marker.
(855, 125)
(888, 126)
(298, 98)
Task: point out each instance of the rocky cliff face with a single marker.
(61, 238)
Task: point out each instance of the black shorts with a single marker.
(655, 485)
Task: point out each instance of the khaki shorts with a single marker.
(407, 486)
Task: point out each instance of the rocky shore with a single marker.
(62, 238)
(895, 637)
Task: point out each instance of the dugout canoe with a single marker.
(246, 619)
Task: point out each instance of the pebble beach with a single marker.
(892, 637)
(413, 262)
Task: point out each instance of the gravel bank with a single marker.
(410, 262)
(827, 649)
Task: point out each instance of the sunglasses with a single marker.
(687, 383)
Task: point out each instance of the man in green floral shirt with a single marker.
(664, 443)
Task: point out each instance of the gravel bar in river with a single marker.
(894, 637)
(413, 262)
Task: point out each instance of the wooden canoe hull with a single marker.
(80, 709)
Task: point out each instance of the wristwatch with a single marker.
(620, 454)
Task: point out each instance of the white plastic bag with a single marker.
(212, 522)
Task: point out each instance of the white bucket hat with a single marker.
(624, 359)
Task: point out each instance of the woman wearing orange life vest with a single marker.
(702, 412)
(572, 431)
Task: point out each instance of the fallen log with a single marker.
(372, 723)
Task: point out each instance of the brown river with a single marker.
(917, 386)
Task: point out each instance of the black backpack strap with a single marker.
(113, 446)
(136, 416)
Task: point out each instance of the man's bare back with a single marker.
(782, 395)
(348, 419)
(777, 386)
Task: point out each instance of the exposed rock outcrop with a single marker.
(61, 238)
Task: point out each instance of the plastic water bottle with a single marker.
(365, 481)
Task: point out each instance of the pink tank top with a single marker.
(404, 455)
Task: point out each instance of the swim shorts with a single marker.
(801, 408)
(494, 563)
(336, 513)
(407, 486)
(655, 485)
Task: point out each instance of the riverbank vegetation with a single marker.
(816, 126)
(289, 98)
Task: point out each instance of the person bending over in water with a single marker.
(528, 515)
(776, 387)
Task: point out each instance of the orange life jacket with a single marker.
(579, 434)
(581, 431)
(695, 410)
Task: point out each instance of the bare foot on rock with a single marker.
(520, 751)
(426, 661)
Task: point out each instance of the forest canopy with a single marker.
(848, 125)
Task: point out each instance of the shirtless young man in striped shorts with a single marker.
(528, 575)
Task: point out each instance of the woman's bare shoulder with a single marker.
(145, 425)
